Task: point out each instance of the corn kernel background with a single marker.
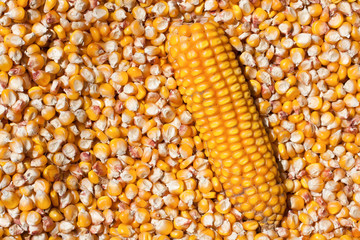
(96, 142)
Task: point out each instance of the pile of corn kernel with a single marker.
(96, 142)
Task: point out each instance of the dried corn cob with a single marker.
(215, 91)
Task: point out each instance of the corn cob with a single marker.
(216, 93)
